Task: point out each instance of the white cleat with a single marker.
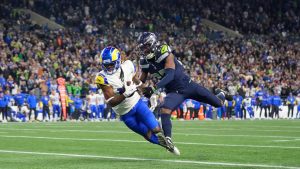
(168, 144)
(176, 151)
(171, 147)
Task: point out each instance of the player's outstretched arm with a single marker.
(169, 72)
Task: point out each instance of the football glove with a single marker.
(130, 89)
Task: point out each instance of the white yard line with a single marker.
(286, 140)
(235, 129)
(136, 141)
(200, 128)
(64, 130)
(209, 124)
(235, 135)
(149, 159)
(281, 140)
(130, 132)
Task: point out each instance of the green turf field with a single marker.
(203, 144)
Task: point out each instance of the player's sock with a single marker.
(166, 124)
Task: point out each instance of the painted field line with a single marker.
(149, 159)
(281, 140)
(286, 140)
(136, 141)
(236, 129)
(210, 129)
(64, 130)
(129, 132)
(201, 124)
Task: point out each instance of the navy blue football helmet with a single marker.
(147, 44)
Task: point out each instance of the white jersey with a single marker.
(92, 99)
(100, 99)
(247, 102)
(116, 81)
(189, 103)
(14, 109)
(55, 99)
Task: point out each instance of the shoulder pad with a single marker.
(101, 80)
(164, 52)
(164, 49)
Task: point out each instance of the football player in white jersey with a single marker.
(119, 86)
(248, 104)
(100, 104)
(92, 105)
(55, 102)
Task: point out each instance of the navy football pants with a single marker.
(192, 91)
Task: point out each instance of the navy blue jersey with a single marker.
(156, 67)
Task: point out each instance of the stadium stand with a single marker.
(265, 59)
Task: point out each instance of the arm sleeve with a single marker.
(170, 73)
(165, 51)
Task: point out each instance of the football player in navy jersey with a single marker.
(157, 59)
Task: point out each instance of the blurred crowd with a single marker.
(247, 17)
(32, 57)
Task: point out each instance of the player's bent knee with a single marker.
(156, 130)
(165, 111)
(148, 135)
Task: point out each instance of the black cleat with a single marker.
(171, 147)
(167, 143)
(226, 95)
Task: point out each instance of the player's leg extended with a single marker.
(171, 102)
(197, 92)
(132, 122)
(146, 117)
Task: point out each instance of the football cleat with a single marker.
(167, 143)
(224, 93)
(171, 147)
(162, 139)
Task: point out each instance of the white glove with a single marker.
(130, 88)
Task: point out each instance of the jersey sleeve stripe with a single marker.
(162, 57)
(145, 66)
